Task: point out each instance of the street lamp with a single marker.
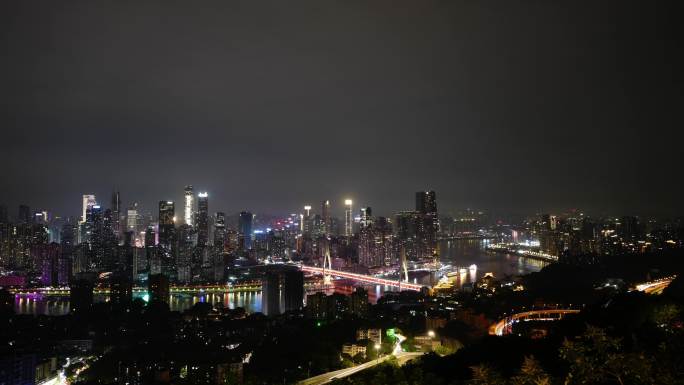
(377, 351)
(431, 334)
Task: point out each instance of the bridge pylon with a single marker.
(404, 265)
(327, 264)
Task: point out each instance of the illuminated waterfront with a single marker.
(59, 305)
(467, 252)
(454, 252)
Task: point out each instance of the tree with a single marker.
(531, 373)
(485, 375)
(596, 357)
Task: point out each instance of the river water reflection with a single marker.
(458, 253)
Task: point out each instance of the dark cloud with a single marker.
(510, 105)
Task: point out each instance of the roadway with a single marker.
(499, 328)
(362, 278)
(655, 287)
(402, 358)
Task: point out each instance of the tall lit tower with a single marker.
(116, 214)
(325, 217)
(220, 230)
(245, 230)
(426, 207)
(88, 202)
(167, 221)
(348, 219)
(188, 213)
(306, 220)
(202, 219)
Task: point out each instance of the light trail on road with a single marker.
(362, 278)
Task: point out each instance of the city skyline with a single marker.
(336, 211)
(351, 192)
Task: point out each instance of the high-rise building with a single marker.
(426, 202)
(348, 218)
(428, 223)
(220, 230)
(158, 288)
(166, 223)
(306, 220)
(375, 244)
(184, 258)
(116, 215)
(189, 206)
(202, 219)
(68, 237)
(270, 294)
(81, 293)
(121, 289)
(366, 217)
(88, 201)
(47, 258)
(358, 302)
(3, 214)
(132, 219)
(245, 230)
(325, 218)
(150, 236)
(293, 290)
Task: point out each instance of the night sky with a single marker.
(510, 106)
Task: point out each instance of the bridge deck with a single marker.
(363, 278)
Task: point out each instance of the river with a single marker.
(456, 252)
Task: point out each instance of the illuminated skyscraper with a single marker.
(88, 201)
(325, 218)
(220, 230)
(366, 217)
(185, 253)
(132, 222)
(166, 223)
(306, 220)
(245, 229)
(188, 213)
(202, 219)
(426, 202)
(348, 219)
(116, 215)
(428, 224)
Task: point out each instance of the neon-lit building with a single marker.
(202, 219)
(88, 202)
(188, 211)
(348, 218)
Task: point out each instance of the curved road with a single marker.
(655, 287)
(540, 315)
(402, 358)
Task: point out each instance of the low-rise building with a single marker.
(353, 349)
(374, 335)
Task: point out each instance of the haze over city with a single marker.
(357, 192)
(265, 105)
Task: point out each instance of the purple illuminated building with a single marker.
(54, 270)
